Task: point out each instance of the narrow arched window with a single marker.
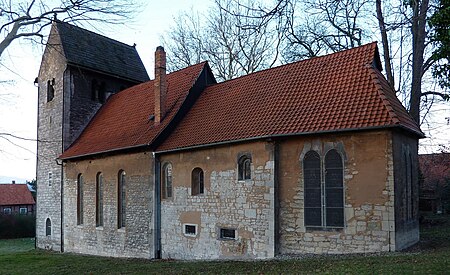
(99, 200)
(121, 199)
(80, 199)
(48, 227)
(334, 190)
(50, 90)
(197, 181)
(312, 189)
(244, 167)
(166, 176)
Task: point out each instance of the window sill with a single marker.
(324, 229)
(122, 229)
(100, 228)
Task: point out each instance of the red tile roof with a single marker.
(340, 91)
(15, 194)
(124, 121)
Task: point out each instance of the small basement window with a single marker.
(227, 234)
(190, 230)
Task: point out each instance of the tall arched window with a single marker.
(80, 199)
(334, 190)
(48, 227)
(121, 199)
(323, 190)
(197, 181)
(166, 176)
(99, 200)
(244, 167)
(312, 186)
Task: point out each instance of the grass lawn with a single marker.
(431, 256)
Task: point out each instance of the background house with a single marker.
(16, 199)
(435, 182)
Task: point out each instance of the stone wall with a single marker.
(368, 192)
(136, 238)
(246, 206)
(50, 121)
(406, 201)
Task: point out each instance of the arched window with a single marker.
(99, 200)
(121, 199)
(48, 227)
(166, 176)
(323, 190)
(80, 199)
(244, 167)
(334, 190)
(50, 90)
(408, 197)
(312, 186)
(197, 181)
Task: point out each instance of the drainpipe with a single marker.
(157, 224)
(276, 195)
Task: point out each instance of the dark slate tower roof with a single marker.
(99, 53)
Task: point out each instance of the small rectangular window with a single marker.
(227, 234)
(190, 230)
(23, 211)
(7, 211)
(50, 178)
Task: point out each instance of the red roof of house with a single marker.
(340, 91)
(15, 194)
(124, 121)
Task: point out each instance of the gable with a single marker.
(126, 120)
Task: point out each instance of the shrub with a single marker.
(17, 226)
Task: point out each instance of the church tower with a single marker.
(79, 71)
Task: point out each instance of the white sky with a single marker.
(18, 100)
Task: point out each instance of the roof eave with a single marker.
(419, 135)
(105, 73)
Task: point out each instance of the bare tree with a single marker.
(225, 40)
(323, 26)
(28, 19)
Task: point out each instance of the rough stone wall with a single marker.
(247, 205)
(368, 192)
(136, 238)
(50, 121)
(406, 225)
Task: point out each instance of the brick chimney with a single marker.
(160, 84)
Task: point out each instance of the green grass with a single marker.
(16, 245)
(431, 256)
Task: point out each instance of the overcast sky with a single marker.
(18, 99)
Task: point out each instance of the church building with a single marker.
(316, 156)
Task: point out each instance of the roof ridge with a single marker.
(303, 61)
(387, 104)
(96, 34)
(188, 67)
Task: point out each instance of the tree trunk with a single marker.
(385, 42)
(418, 44)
